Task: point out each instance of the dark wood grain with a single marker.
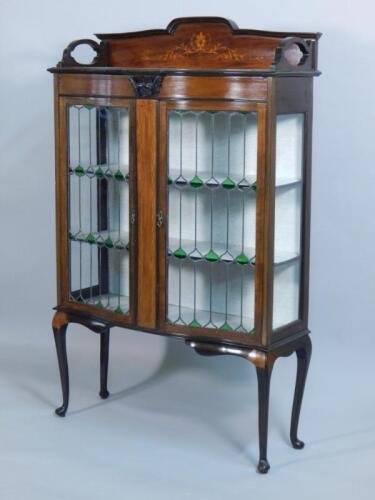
(232, 25)
(264, 381)
(199, 43)
(62, 205)
(104, 359)
(303, 353)
(267, 215)
(146, 141)
(95, 85)
(294, 95)
(163, 204)
(280, 98)
(264, 363)
(163, 210)
(199, 64)
(59, 270)
(240, 340)
(62, 202)
(59, 326)
(262, 249)
(214, 87)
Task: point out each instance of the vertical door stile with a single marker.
(146, 146)
(62, 202)
(163, 210)
(265, 217)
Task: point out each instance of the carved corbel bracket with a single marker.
(146, 85)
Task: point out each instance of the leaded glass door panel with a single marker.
(211, 160)
(100, 207)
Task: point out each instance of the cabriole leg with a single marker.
(264, 379)
(59, 326)
(303, 361)
(104, 355)
(264, 362)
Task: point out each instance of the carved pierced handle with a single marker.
(293, 53)
(99, 60)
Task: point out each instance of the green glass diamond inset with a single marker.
(90, 238)
(226, 326)
(99, 174)
(195, 324)
(196, 182)
(108, 243)
(228, 184)
(242, 259)
(211, 256)
(119, 176)
(80, 171)
(71, 236)
(118, 310)
(169, 181)
(254, 186)
(180, 253)
(252, 331)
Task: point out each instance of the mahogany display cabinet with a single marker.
(183, 165)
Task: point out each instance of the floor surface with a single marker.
(177, 425)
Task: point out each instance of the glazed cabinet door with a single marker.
(96, 207)
(211, 154)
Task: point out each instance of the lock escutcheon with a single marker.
(159, 219)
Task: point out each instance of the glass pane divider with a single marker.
(203, 202)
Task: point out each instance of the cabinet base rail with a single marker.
(262, 360)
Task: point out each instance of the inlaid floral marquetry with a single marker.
(202, 43)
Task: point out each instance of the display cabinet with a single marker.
(183, 164)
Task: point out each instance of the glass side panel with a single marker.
(288, 218)
(212, 164)
(98, 155)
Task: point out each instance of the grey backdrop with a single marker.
(178, 426)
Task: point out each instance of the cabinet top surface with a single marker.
(209, 45)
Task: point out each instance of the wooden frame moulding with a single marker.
(235, 337)
(62, 197)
